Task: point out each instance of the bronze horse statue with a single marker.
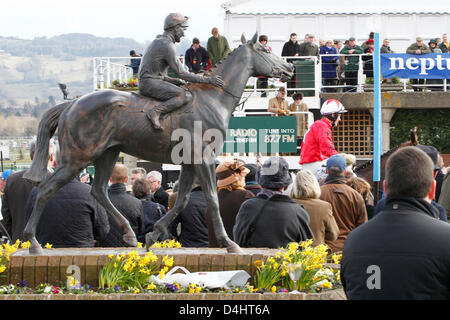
(365, 170)
(96, 127)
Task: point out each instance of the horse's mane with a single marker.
(217, 65)
(387, 153)
(414, 140)
(211, 71)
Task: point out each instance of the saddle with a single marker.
(141, 103)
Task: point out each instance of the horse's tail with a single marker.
(46, 129)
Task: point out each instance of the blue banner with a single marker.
(416, 66)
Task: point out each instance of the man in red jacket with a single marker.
(317, 145)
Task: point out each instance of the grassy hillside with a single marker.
(32, 69)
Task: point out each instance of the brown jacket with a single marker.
(229, 204)
(275, 105)
(322, 223)
(302, 118)
(348, 208)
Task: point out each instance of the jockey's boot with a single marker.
(153, 116)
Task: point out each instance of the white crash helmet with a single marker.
(332, 106)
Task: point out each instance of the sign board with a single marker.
(414, 66)
(264, 134)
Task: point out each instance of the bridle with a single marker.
(245, 100)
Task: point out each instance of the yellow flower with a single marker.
(293, 246)
(258, 263)
(275, 266)
(72, 281)
(110, 256)
(169, 262)
(336, 258)
(151, 286)
(48, 245)
(191, 290)
(2, 268)
(136, 290)
(139, 245)
(25, 245)
(198, 289)
(274, 289)
(115, 265)
(326, 284)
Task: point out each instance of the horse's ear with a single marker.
(255, 37)
(243, 40)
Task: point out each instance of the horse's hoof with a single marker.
(130, 239)
(35, 250)
(232, 247)
(149, 240)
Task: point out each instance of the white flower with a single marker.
(47, 289)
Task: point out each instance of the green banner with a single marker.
(263, 134)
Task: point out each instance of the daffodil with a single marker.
(25, 245)
(274, 289)
(48, 245)
(151, 286)
(2, 268)
(139, 245)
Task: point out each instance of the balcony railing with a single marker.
(308, 77)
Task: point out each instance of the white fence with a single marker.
(108, 69)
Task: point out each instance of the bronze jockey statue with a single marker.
(153, 79)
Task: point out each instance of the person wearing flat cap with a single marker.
(349, 208)
(279, 105)
(272, 219)
(231, 193)
(418, 47)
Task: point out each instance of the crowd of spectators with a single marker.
(341, 61)
(337, 210)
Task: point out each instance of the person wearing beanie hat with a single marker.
(348, 205)
(196, 57)
(250, 179)
(288, 221)
(231, 193)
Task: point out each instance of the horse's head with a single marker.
(265, 63)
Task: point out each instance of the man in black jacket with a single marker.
(129, 206)
(271, 219)
(291, 49)
(402, 253)
(194, 231)
(196, 57)
(14, 199)
(72, 218)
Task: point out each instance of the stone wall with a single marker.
(51, 267)
(328, 295)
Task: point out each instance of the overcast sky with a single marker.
(142, 20)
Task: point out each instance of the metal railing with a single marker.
(337, 77)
